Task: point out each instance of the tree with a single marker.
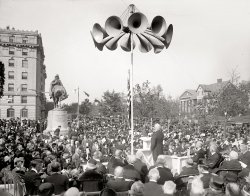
(111, 104)
(2, 78)
(85, 107)
(232, 100)
(150, 102)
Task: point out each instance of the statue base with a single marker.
(57, 117)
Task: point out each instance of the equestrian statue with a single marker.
(57, 91)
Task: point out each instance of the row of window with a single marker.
(24, 63)
(24, 87)
(11, 75)
(24, 99)
(12, 51)
(24, 39)
(11, 113)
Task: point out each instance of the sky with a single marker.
(211, 38)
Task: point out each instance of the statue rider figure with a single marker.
(57, 91)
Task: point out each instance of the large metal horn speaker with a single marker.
(113, 26)
(126, 43)
(137, 22)
(99, 36)
(158, 25)
(168, 36)
(144, 45)
(112, 43)
(156, 43)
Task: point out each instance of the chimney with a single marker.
(219, 80)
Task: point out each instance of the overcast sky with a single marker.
(211, 38)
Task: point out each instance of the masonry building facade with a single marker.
(22, 54)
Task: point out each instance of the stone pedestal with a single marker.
(57, 117)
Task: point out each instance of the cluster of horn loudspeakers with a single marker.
(158, 35)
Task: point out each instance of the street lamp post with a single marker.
(133, 24)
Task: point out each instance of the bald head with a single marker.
(157, 127)
(118, 172)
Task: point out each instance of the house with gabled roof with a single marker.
(190, 98)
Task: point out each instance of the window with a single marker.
(24, 113)
(25, 52)
(12, 39)
(25, 63)
(11, 51)
(24, 75)
(24, 87)
(10, 99)
(24, 99)
(10, 87)
(25, 40)
(10, 113)
(11, 74)
(11, 63)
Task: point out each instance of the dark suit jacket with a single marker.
(165, 175)
(32, 182)
(206, 179)
(131, 173)
(152, 188)
(245, 158)
(157, 144)
(142, 169)
(90, 175)
(212, 160)
(101, 168)
(60, 182)
(113, 163)
(232, 164)
(119, 184)
(189, 171)
(200, 154)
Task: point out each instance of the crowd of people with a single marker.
(95, 155)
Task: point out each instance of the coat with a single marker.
(60, 182)
(119, 184)
(157, 144)
(32, 182)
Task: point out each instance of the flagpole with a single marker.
(132, 94)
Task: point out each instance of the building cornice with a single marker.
(18, 32)
(19, 45)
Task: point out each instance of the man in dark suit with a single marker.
(214, 158)
(60, 182)
(118, 183)
(199, 153)
(231, 164)
(151, 187)
(32, 178)
(164, 172)
(91, 180)
(100, 167)
(205, 175)
(141, 167)
(190, 169)
(157, 142)
(130, 173)
(115, 161)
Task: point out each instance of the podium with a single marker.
(57, 117)
(176, 163)
(145, 153)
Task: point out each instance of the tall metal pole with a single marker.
(131, 89)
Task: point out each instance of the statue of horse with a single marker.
(58, 94)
